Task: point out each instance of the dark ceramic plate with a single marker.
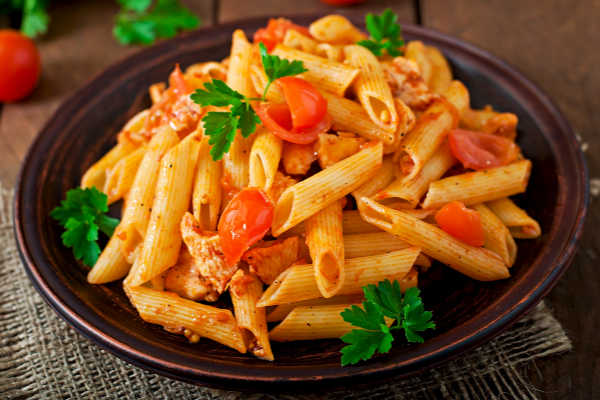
(467, 313)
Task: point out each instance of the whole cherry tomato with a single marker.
(19, 65)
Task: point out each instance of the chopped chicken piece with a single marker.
(205, 247)
(280, 183)
(334, 148)
(185, 279)
(268, 262)
(297, 158)
(406, 82)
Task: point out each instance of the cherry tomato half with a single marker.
(462, 223)
(275, 32)
(245, 221)
(478, 150)
(19, 65)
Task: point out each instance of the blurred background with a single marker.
(554, 43)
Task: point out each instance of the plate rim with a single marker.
(228, 380)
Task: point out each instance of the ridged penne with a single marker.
(480, 186)
(296, 40)
(519, 223)
(371, 87)
(279, 312)
(298, 282)
(305, 198)
(458, 95)
(245, 290)
(475, 262)
(325, 74)
(206, 198)
(382, 178)
(311, 323)
(264, 159)
(95, 176)
(177, 314)
(370, 244)
(120, 177)
(111, 265)
(441, 75)
(417, 52)
(335, 29)
(497, 236)
(162, 241)
(325, 242)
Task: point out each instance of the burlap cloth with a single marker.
(41, 357)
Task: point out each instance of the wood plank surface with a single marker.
(555, 44)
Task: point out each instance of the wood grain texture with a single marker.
(78, 45)
(554, 43)
(236, 9)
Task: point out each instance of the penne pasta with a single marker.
(519, 223)
(111, 265)
(162, 241)
(279, 312)
(298, 282)
(120, 177)
(311, 323)
(370, 244)
(95, 176)
(497, 236)
(335, 29)
(441, 75)
(417, 52)
(458, 95)
(426, 137)
(245, 290)
(300, 201)
(325, 242)
(264, 159)
(156, 91)
(480, 186)
(296, 40)
(325, 74)
(380, 180)
(206, 198)
(177, 314)
(371, 87)
(349, 116)
(333, 52)
(411, 190)
(475, 262)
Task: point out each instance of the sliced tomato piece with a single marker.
(275, 32)
(277, 118)
(245, 221)
(478, 150)
(306, 104)
(462, 223)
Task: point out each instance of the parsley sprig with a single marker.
(381, 301)
(385, 34)
(83, 214)
(139, 22)
(222, 126)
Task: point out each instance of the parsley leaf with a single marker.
(35, 18)
(221, 126)
(383, 300)
(276, 67)
(139, 23)
(385, 34)
(82, 214)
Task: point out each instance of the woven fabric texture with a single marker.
(41, 357)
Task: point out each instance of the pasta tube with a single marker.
(441, 75)
(480, 186)
(477, 263)
(95, 176)
(177, 314)
(328, 75)
(111, 265)
(497, 236)
(245, 290)
(311, 323)
(206, 198)
(370, 244)
(305, 198)
(298, 282)
(326, 244)
(335, 29)
(264, 159)
(172, 199)
(279, 312)
(371, 87)
(120, 177)
(520, 224)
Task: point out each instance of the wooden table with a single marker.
(552, 42)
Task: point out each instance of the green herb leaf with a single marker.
(35, 18)
(247, 118)
(383, 300)
(385, 34)
(216, 93)
(82, 214)
(221, 127)
(276, 67)
(137, 23)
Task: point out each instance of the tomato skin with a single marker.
(277, 118)
(177, 82)
(478, 150)
(245, 221)
(462, 223)
(342, 2)
(275, 32)
(19, 65)
(306, 104)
